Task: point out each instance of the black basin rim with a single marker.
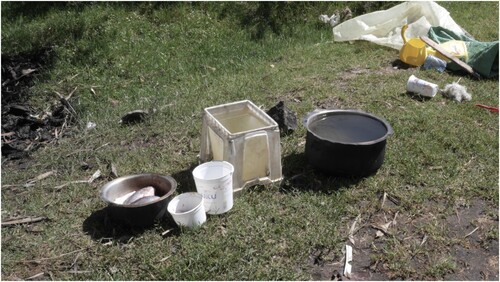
(317, 116)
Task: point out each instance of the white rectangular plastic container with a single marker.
(245, 136)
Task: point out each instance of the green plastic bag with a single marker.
(482, 56)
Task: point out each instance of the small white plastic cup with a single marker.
(187, 209)
(214, 180)
(421, 87)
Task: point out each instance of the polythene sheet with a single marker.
(384, 27)
(482, 56)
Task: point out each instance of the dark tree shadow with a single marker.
(36, 9)
(15, 85)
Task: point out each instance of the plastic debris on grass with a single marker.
(421, 87)
(284, 117)
(436, 63)
(456, 92)
(424, 19)
(384, 27)
(337, 17)
(134, 117)
(348, 261)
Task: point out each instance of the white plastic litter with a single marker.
(91, 125)
(337, 17)
(384, 27)
(456, 92)
(421, 87)
(348, 261)
(333, 20)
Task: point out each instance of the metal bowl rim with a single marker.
(123, 178)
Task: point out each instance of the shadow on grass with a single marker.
(185, 180)
(417, 97)
(401, 65)
(299, 175)
(101, 227)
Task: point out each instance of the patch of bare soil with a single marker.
(394, 67)
(26, 128)
(469, 247)
(477, 256)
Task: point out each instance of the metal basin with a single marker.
(138, 215)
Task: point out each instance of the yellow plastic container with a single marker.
(415, 51)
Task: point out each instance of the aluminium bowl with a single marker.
(138, 215)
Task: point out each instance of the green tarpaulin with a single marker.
(483, 56)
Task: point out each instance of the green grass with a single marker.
(175, 59)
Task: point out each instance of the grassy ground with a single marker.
(439, 181)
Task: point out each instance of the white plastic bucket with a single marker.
(214, 180)
(187, 209)
(421, 87)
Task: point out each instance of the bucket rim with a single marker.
(197, 170)
(170, 206)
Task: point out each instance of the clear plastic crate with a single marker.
(245, 136)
